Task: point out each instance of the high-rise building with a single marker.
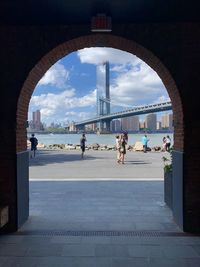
(124, 123)
(134, 123)
(115, 125)
(150, 121)
(171, 126)
(91, 127)
(130, 123)
(36, 119)
(158, 125)
(142, 125)
(72, 126)
(167, 121)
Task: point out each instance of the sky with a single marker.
(67, 91)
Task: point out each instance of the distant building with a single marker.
(167, 121)
(142, 125)
(150, 121)
(158, 125)
(134, 124)
(72, 127)
(124, 124)
(91, 127)
(36, 120)
(171, 126)
(115, 125)
(130, 123)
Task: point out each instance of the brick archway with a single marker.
(98, 40)
(95, 41)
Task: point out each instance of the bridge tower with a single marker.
(103, 95)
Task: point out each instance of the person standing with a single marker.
(122, 148)
(168, 143)
(117, 141)
(164, 144)
(82, 144)
(145, 141)
(125, 134)
(34, 143)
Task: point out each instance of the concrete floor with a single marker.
(98, 205)
(97, 193)
(94, 212)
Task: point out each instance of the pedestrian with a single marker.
(117, 141)
(122, 148)
(82, 144)
(164, 144)
(126, 136)
(34, 143)
(168, 143)
(145, 141)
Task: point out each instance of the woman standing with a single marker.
(117, 141)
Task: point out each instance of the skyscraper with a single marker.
(158, 125)
(150, 121)
(115, 125)
(134, 123)
(36, 119)
(130, 123)
(124, 123)
(167, 121)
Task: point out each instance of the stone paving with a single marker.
(80, 212)
(96, 165)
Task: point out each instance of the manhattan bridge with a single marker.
(104, 115)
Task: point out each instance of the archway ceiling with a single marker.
(47, 12)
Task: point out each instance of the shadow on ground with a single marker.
(136, 162)
(44, 157)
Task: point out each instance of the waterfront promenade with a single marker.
(65, 164)
(95, 212)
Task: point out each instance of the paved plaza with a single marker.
(95, 212)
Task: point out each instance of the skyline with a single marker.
(67, 91)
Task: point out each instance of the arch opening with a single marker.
(93, 41)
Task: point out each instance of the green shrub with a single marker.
(168, 162)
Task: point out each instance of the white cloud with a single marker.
(162, 98)
(136, 87)
(57, 76)
(119, 68)
(77, 116)
(55, 107)
(98, 55)
(134, 83)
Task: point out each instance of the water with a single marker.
(47, 139)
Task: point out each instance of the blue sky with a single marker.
(67, 91)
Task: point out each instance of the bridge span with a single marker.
(140, 110)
